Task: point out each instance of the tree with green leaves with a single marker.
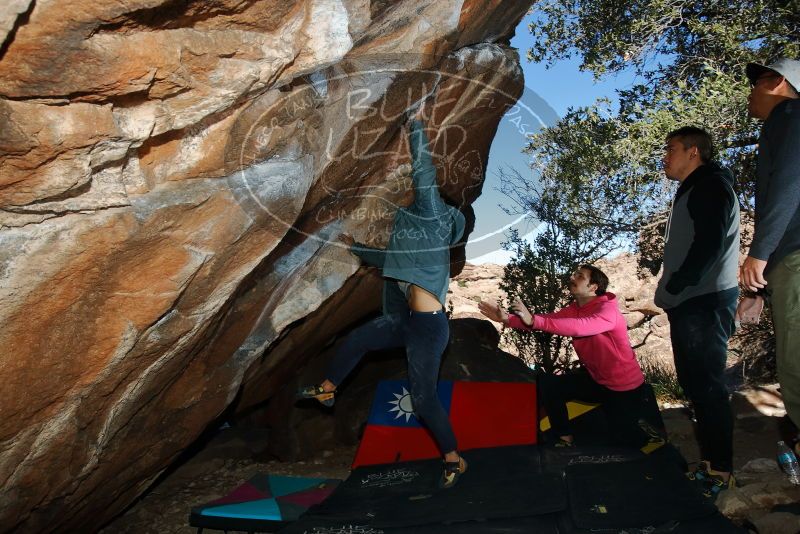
(540, 270)
(689, 58)
(599, 167)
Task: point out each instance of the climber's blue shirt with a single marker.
(422, 235)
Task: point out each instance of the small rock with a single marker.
(745, 478)
(765, 400)
(775, 490)
(777, 523)
(761, 465)
(634, 319)
(755, 514)
(645, 306)
(732, 502)
(659, 325)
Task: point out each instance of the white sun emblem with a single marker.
(402, 405)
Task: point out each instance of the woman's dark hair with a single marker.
(597, 277)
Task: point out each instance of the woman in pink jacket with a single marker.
(611, 374)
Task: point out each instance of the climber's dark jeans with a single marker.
(425, 336)
(699, 330)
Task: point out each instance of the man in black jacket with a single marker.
(774, 255)
(699, 289)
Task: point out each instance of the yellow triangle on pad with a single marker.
(574, 409)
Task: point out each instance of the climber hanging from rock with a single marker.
(416, 271)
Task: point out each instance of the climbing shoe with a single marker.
(700, 472)
(326, 398)
(713, 484)
(452, 472)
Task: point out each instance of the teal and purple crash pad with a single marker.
(264, 503)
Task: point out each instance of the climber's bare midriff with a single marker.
(421, 300)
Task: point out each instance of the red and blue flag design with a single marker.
(483, 414)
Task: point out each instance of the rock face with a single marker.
(473, 284)
(172, 174)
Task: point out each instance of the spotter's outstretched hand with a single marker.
(519, 308)
(493, 311)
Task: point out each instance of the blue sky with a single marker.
(560, 87)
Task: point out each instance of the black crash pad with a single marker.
(502, 482)
(555, 460)
(712, 524)
(544, 524)
(638, 493)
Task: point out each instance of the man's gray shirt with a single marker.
(777, 217)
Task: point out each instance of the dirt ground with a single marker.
(231, 457)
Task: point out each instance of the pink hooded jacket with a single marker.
(600, 337)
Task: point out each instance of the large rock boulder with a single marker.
(172, 176)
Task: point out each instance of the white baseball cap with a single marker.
(788, 68)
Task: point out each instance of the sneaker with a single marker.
(700, 472)
(563, 444)
(713, 484)
(452, 472)
(326, 398)
(654, 438)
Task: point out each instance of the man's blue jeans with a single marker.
(425, 336)
(699, 330)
